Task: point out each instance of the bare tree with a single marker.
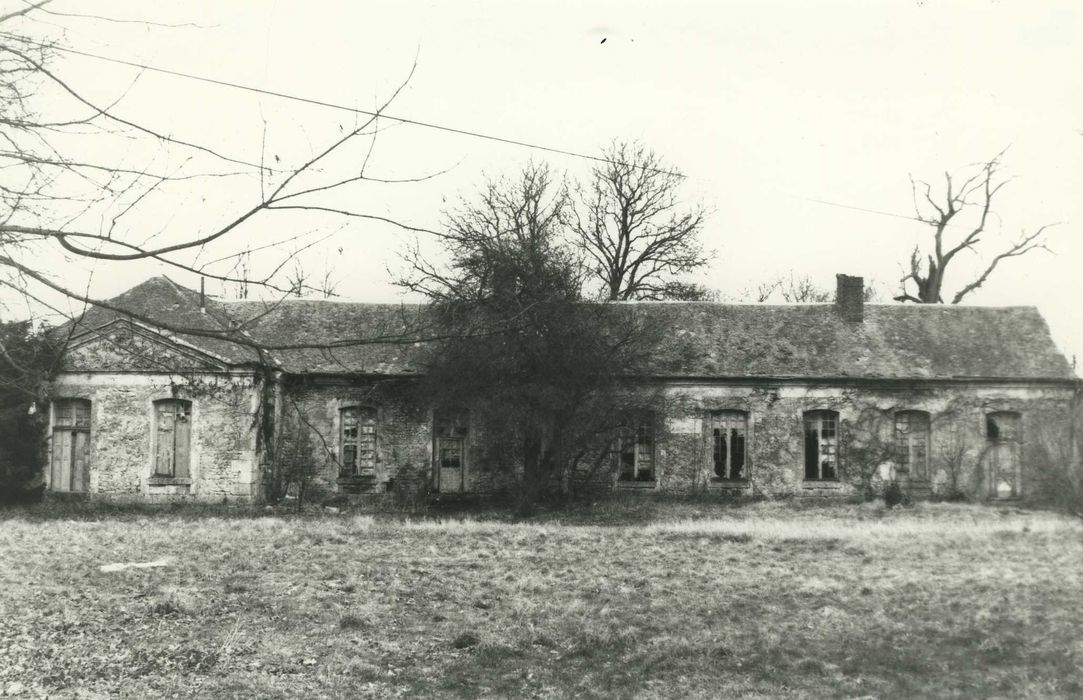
(632, 228)
(82, 183)
(971, 194)
(794, 289)
(545, 374)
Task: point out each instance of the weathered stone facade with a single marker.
(223, 450)
(800, 400)
(958, 453)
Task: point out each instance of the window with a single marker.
(821, 445)
(1004, 432)
(635, 450)
(450, 429)
(1003, 426)
(173, 438)
(69, 468)
(729, 436)
(912, 444)
(358, 441)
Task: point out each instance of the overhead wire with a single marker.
(334, 105)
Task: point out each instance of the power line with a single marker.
(332, 105)
(867, 211)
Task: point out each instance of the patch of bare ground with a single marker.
(767, 600)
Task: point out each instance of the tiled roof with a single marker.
(703, 339)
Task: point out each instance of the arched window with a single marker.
(357, 440)
(173, 438)
(69, 468)
(821, 445)
(912, 444)
(729, 440)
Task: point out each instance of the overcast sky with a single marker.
(796, 123)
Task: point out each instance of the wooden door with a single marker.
(70, 469)
(450, 464)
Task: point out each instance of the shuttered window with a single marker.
(69, 468)
(173, 438)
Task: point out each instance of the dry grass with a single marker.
(758, 601)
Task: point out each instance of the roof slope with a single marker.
(161, 302)
(705, 339)
(894, 341)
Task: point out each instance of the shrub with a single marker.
(895, 496)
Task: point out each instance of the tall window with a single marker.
(173, 438)
(821, 445)
(729, 436)
(70, 465)
(636, 450)
(450, 430)
(1004, 432)
(912, 444)
(358, 441)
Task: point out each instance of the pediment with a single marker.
(125, 346)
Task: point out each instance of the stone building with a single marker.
(756, 399)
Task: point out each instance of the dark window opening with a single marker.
(636, 450)
(1003, 426)
(821, 445)
(729, 436)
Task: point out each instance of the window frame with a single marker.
(364, 417)
(186, 414)
(904, 459)
(637, 432)
(818, 417)
(451, 425)
(70, 421)
(730, 419)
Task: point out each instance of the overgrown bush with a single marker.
(895, 496)
(292, 463)
(27, 361)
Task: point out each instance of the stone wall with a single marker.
(959, 454)
(225, 458)
(223, 447)
(404, 434)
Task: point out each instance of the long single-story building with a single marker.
(760, 399)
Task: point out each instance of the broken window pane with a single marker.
(450, 428)
(358, 440)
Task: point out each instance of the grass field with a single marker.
(765, 600)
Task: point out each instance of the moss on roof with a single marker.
(811, 341)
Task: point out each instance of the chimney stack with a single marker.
(850, 297)
(202, 295)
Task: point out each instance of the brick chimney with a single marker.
(850, 297)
